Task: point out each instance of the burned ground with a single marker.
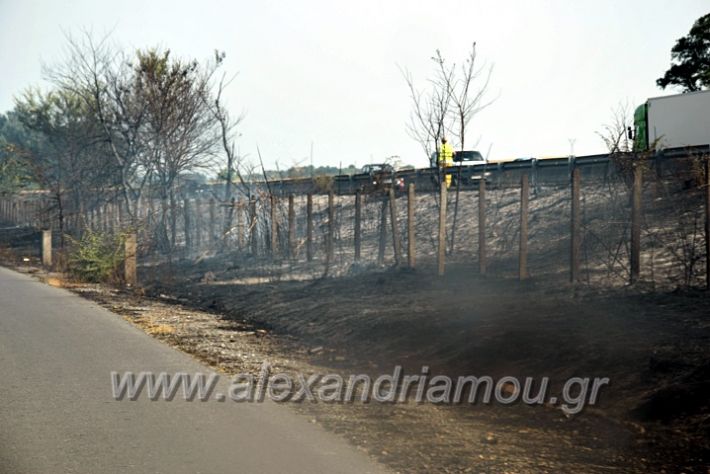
(653, 347)
(650, 339)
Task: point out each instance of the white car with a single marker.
(464, 161)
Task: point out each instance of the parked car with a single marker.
(464, 163)
(381, 177)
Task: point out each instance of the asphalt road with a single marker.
(58, 414)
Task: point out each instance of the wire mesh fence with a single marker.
(310, 235)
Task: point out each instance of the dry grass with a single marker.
(150, 326)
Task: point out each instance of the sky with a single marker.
(327, 75)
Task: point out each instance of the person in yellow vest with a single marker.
(446, 159)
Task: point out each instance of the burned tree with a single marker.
(180, 129)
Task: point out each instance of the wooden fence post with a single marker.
(291, 228)
(309, 227)
(575, 227)
(188, 229)
(252, 226)
(411, 238)
(636, 223)
(130, 270)
(396, 242)
(523, 257)
(121, 216)
(108, 218)
(274, 228)
(482, 257)
(227, 221)
(383, 234)
(441, 256)
(151, 215)
(240, 224)
(212, 236)
(358, 224)
(47, 248)
(198, 223)
(331, 228)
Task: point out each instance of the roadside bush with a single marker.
(96, 257)
(323, 184)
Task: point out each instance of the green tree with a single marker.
(690, 57)
(16, 146)
(70, 158)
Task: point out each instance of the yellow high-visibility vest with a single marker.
(446, 155)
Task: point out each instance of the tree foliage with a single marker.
(116, 126)
(690, 57)
(455, 94)
(16, 142)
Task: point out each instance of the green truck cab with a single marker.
(641, 128)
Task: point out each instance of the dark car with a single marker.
(382, 177)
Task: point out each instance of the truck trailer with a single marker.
(673, 121)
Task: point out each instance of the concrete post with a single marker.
(130, 269)
(47, 248)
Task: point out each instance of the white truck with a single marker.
(673, 121)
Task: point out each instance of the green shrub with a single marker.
(96, 257)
